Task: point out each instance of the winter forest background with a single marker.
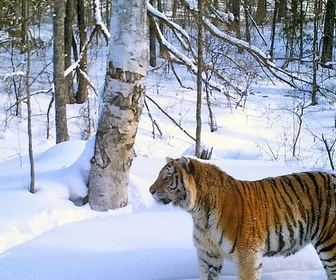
(241, 44)
(227, 80)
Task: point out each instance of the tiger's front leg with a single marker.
(210, 264)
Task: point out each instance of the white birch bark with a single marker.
(123, 98)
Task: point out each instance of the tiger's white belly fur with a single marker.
(284, 242)
(209, 236)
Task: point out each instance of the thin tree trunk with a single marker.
(152, 42)
(301, 32)
(174, 8)
(200, 38)
(29, 111)
(59, 91)
(24, 26)
(282, 13)
(235, 25)
(261, 12)
(69, 84)
(315, 55)
(82, 92)
(108, 14)
(329, 26)
(160, 9)
(276, 8)
(247, 21)
(124, 92)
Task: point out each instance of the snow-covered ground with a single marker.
(45, 236)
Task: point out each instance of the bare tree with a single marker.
(315, 55)
(82, 91)
(25, 31)
(68, 38)
(200, 53)
(152, 41)
(261, 12)
(24, 25)
(329, 26)
(124, 92)
(282, 9)
(59, 89)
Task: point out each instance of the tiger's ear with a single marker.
(185, 163)
(168, 159)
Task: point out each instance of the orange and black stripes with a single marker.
(246, 220)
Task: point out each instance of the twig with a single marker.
(328, 151)
(178, 78)
(154, 123)
(157, 105)
(32, 94)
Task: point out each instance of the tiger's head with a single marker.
(175, 183)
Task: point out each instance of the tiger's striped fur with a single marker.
(246, 220)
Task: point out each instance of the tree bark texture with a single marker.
(123, 99)
(59, 81)
(282, 10)
(329, 26)
(82, 92)
(68, 33)
(261, 12)
(200, 53)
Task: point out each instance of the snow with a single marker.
(46, 236)
(98, 19)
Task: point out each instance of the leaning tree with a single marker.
(123, 98)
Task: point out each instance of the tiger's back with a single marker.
(246, 220)
(286, 212)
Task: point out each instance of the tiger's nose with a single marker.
(152, 191)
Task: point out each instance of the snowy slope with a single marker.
(45, 236)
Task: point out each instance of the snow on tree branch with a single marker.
(176, 54)
(190, 63)
(154, 12)
(100, 26)
(261, 57)
(99, 21)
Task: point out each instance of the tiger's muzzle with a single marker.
(158, 198)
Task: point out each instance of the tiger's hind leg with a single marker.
(249, 264)
(327, 255)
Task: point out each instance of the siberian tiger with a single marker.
(246, 220)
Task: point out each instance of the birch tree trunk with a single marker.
(123, 99)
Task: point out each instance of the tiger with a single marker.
(243, 221)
